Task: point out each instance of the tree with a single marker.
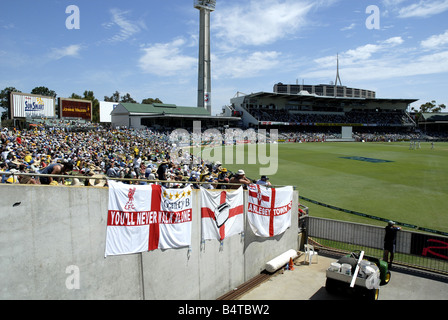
(151, 101)
(4, 100)
(127, 99)
(75, 96)
(89, 95)
(113, 98)
(430, 107)
(116, 98)
(44, 91)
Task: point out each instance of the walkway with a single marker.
(307, 282)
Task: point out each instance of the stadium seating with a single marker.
(395, 118)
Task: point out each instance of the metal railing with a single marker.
(413, 249)
(70, 178)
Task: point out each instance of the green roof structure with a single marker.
(160, 115)
(160, 108)
(435, 117)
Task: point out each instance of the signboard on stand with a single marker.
(24, 105)
(74, 108)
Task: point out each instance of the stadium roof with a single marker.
(441, 117)
(310, 97)
(159, 108)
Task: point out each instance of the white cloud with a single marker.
(259, 22)
(350, 27)
(245, 66)
(8, 26)
(70, 51)
(389, 3)
(365, 52)
(435, 41)
(424, 9)
(361, 53)
(424, 65)
(251, 22)
(393, 41)
(166, 59)
(127, 28)
(382, 61)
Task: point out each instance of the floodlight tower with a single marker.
(204, 78)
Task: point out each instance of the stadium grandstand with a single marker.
(324, 90)
(312, 112)
(68, 125)
(434, 125)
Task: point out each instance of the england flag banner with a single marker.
(221, 213)
(269, 209)
(147, 217)
(175, 219)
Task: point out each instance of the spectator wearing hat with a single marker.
(3, 168)
(25, 179)
(161, 170)
(152, 174)
(239, 178)
(390, 241)
(264, 181)
(209, 183)
(194, 177)
(112, 172)
(136, 163)
(97, 180)
(222, 178)
(217, 166)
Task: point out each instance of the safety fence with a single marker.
(100, 180)
(365, 215)
(418, 250)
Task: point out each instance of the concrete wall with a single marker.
(52, 236)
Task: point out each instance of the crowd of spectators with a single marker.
(374, 136)
(92, 155)
(387, 137)
(133, 156)
(353, 117)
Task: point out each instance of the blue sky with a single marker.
(149, 48)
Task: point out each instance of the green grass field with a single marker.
(411, 188)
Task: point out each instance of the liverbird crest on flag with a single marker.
(130, 204)
(147, 217)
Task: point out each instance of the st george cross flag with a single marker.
(147, 217)
(269, 209)
(221, 213)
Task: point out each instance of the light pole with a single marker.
(204, 75)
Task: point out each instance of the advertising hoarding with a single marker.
(105, 109)
(74, 108)
(24, 105)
